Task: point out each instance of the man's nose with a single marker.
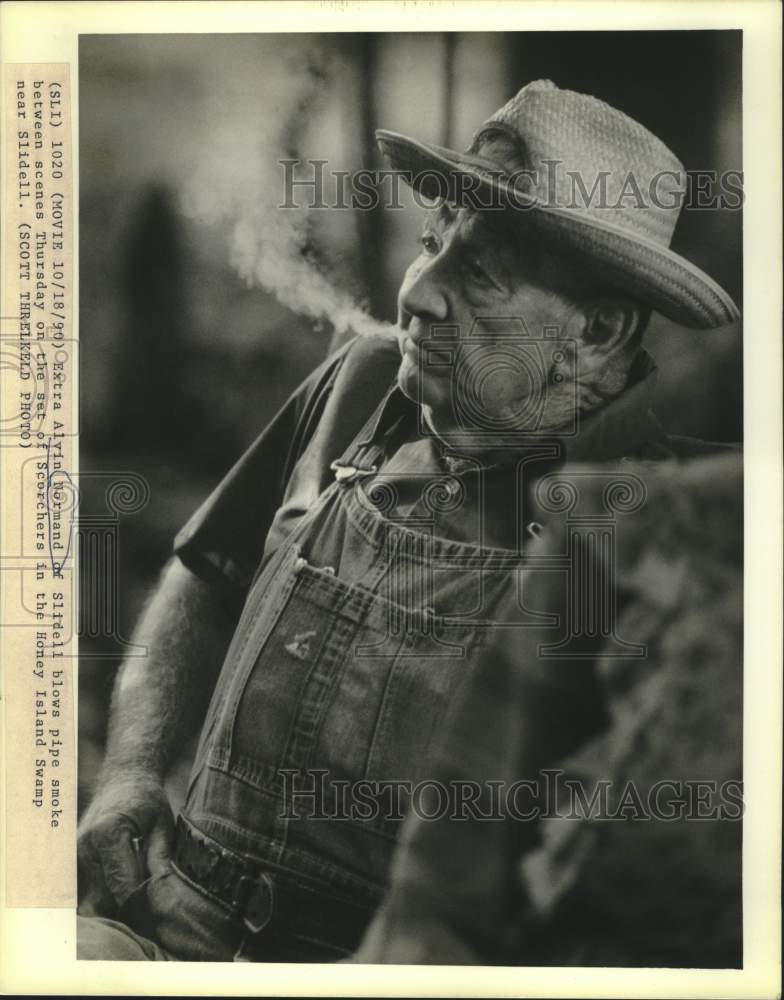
(424, 295)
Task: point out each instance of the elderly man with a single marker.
(360, 567)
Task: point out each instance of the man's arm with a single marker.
(159, 701)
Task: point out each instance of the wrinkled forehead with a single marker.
(469, 221)
(494, 232)
(515, 252)
(492, 228)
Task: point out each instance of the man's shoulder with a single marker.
(367, 368)
(659, 445)
(364, 371)
(685, 447)
(370, 359)
(690, 447)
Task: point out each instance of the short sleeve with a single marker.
(223, 541)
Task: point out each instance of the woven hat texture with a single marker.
(585, 176)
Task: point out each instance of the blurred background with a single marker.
(202, 305)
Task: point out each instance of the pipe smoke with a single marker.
(252, 121)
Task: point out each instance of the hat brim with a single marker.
(654, 273)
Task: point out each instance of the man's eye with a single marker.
(431, 243)
(476, 272)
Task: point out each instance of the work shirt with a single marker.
(287, 467)
(373, 572)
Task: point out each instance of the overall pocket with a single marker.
(263, 607)
(297, 679)
(346, 682)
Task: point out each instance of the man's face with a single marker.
(473, 268)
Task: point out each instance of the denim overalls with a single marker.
(357, 633)
(328, 682)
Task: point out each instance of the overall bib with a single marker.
(328, 682)
(358, 631)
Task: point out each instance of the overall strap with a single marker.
(346, 435)
(362, 455)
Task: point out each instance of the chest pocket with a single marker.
(334, 677)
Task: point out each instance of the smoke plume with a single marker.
(253, 120)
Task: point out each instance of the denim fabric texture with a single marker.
(380, 580)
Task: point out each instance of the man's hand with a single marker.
(125, 807)
(158, 704)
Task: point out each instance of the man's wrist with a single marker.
(133, 773)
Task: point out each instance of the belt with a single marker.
(269, 899)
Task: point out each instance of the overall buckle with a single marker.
(348, 473)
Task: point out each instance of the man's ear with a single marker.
(609, 324)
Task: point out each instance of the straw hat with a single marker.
(589, 178)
